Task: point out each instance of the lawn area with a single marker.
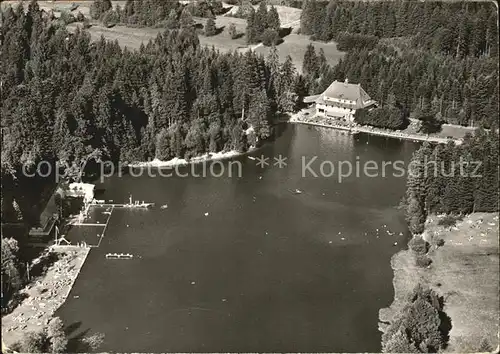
(288, 15)
(447, 130)
(465, 271)
(454, 131)
(295, 45)
(133, 37)
(223, 41)
(126, 36)
(83, 6)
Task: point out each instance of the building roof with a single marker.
(85, 190)
(347, 91)
(311, 99)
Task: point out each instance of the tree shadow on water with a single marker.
(76, 343)
(72, 328)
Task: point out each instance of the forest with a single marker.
(453, 179)
(66, 99)
(263, 25)
(154, 13)
(435, 58)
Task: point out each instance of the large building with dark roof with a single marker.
(341, 100)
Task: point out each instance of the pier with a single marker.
(119, 256)
(131, 204)
(83, 220)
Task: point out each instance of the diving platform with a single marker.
(131, 204)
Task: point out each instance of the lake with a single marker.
(267, 270)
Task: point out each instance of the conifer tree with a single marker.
(57, 337)
(273, 19)
(232, 31)
(310, 64)
(261, 19)
(172, 22)
(163, 149)
(415, 195)
(186, 20)
(252, 28)
(259, 115)
(210, 29)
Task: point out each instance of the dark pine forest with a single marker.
(430, 59)
(67, 100)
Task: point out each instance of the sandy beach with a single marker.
(213, 156)
(44, 295)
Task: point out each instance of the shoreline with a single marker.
(207, 157)
(379, 132)
(45, 295)
(460, 268)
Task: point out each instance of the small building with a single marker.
(341, 100)
(42, 230)
(82, 190)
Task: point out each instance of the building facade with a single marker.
(341, 100)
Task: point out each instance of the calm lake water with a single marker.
(266, 270)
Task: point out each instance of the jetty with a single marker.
(119, 256)
(131, 204)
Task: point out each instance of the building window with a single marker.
(321, 110)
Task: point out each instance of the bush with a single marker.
(80, 17)
(418, 245)
(67, 18)
(423, 261)
(484, 346)
(270, 37)
(387, 117)
(110, 18)
(429, 124)
(93, 342)
(99, 7)
(436, 241)
(421, 326)
(232, 31)
(32, 342)
(52, 339)
(449, 221)
(57, 338)
(86, 23)
(243, 11)
(210, 29)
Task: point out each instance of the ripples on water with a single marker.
(266, 270)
